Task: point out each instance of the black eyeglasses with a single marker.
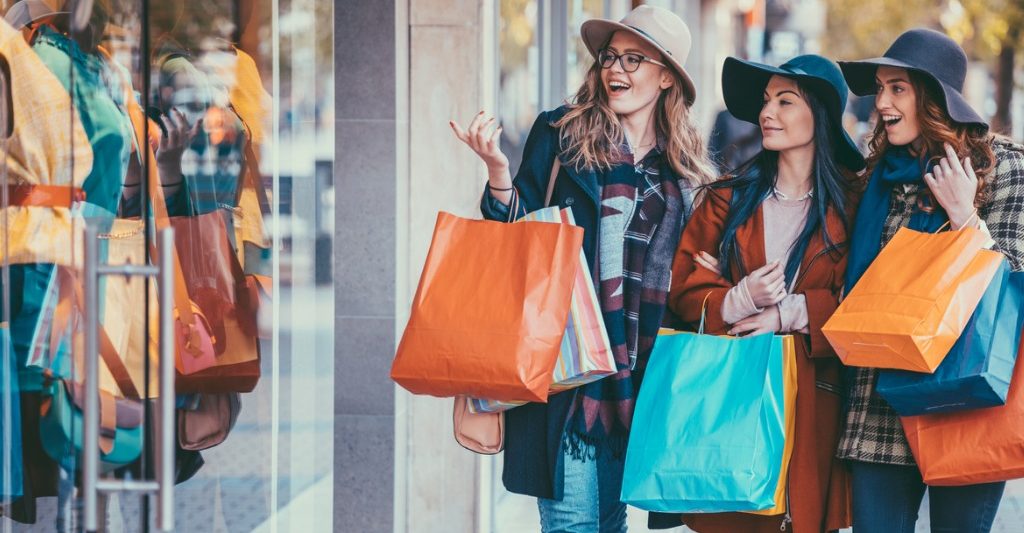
(629, 61)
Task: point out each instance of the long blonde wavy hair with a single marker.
(592, 136)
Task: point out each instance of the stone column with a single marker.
(403, 68)
(449, 68)
(366, 137)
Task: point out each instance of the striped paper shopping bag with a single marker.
(586, 353)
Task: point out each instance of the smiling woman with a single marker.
(627, 158)
(765, 253)
(895, 101)
(933, 162)
(786, 119)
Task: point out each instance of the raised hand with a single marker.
(482, 137)
(954, 185)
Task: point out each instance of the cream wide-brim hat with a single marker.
(657, 26)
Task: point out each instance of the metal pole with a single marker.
(91, 446)
(165, 439)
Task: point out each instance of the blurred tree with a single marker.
(989, 30)
(857, 30)
(518, 22)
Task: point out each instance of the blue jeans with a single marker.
(590, 502)
(886, 499)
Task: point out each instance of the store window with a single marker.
(214, 119)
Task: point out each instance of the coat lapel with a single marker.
(751, 235)
(586, 179)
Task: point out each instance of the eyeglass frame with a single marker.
(618, 57)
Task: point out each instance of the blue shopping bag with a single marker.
(976, 373)
(708, 433)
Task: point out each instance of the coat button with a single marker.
(569, 201)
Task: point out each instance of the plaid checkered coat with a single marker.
(873, 432)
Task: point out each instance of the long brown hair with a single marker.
(591, 135)
(937, 128)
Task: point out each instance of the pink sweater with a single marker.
(783, 221)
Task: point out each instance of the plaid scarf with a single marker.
(643, 210)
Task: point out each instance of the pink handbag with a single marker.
(483, 433)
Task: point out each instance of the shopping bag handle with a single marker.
(513, 206)
(703, 313)
(551, 182)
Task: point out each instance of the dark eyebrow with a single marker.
(893, 80)
(782, 92)
(626, 51)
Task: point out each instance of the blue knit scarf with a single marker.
(896, 167)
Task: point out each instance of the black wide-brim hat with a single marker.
(743, 84)
(930, 53)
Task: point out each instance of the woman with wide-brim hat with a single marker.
(628, 159)
(932, 161)
(766, 251)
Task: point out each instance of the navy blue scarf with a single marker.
(897, 166)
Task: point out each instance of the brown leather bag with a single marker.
(483, 433)
(210, 423)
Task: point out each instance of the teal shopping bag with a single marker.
(709, 429)
(977, 370)
(11, 460)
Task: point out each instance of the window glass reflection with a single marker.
(177, 131)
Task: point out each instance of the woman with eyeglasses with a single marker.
(627, 159)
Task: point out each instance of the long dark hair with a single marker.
(755, 179)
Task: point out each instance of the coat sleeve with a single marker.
(821, 303)
(692, 283)
(1003, 213)
(531, 180)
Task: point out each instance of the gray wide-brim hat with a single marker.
(660, 27)
(928, 52)
(743, 84)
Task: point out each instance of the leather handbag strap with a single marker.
(551, 181)
(62, 317)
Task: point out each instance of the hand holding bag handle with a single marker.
(484, 433)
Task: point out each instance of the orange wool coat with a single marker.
(819, 489)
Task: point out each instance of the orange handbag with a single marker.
(970, 447)
(490, 311)
(912, 303)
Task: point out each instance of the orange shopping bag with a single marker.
(970, 447)
(912, 303)
(490, 311)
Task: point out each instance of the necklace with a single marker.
(639, 146)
